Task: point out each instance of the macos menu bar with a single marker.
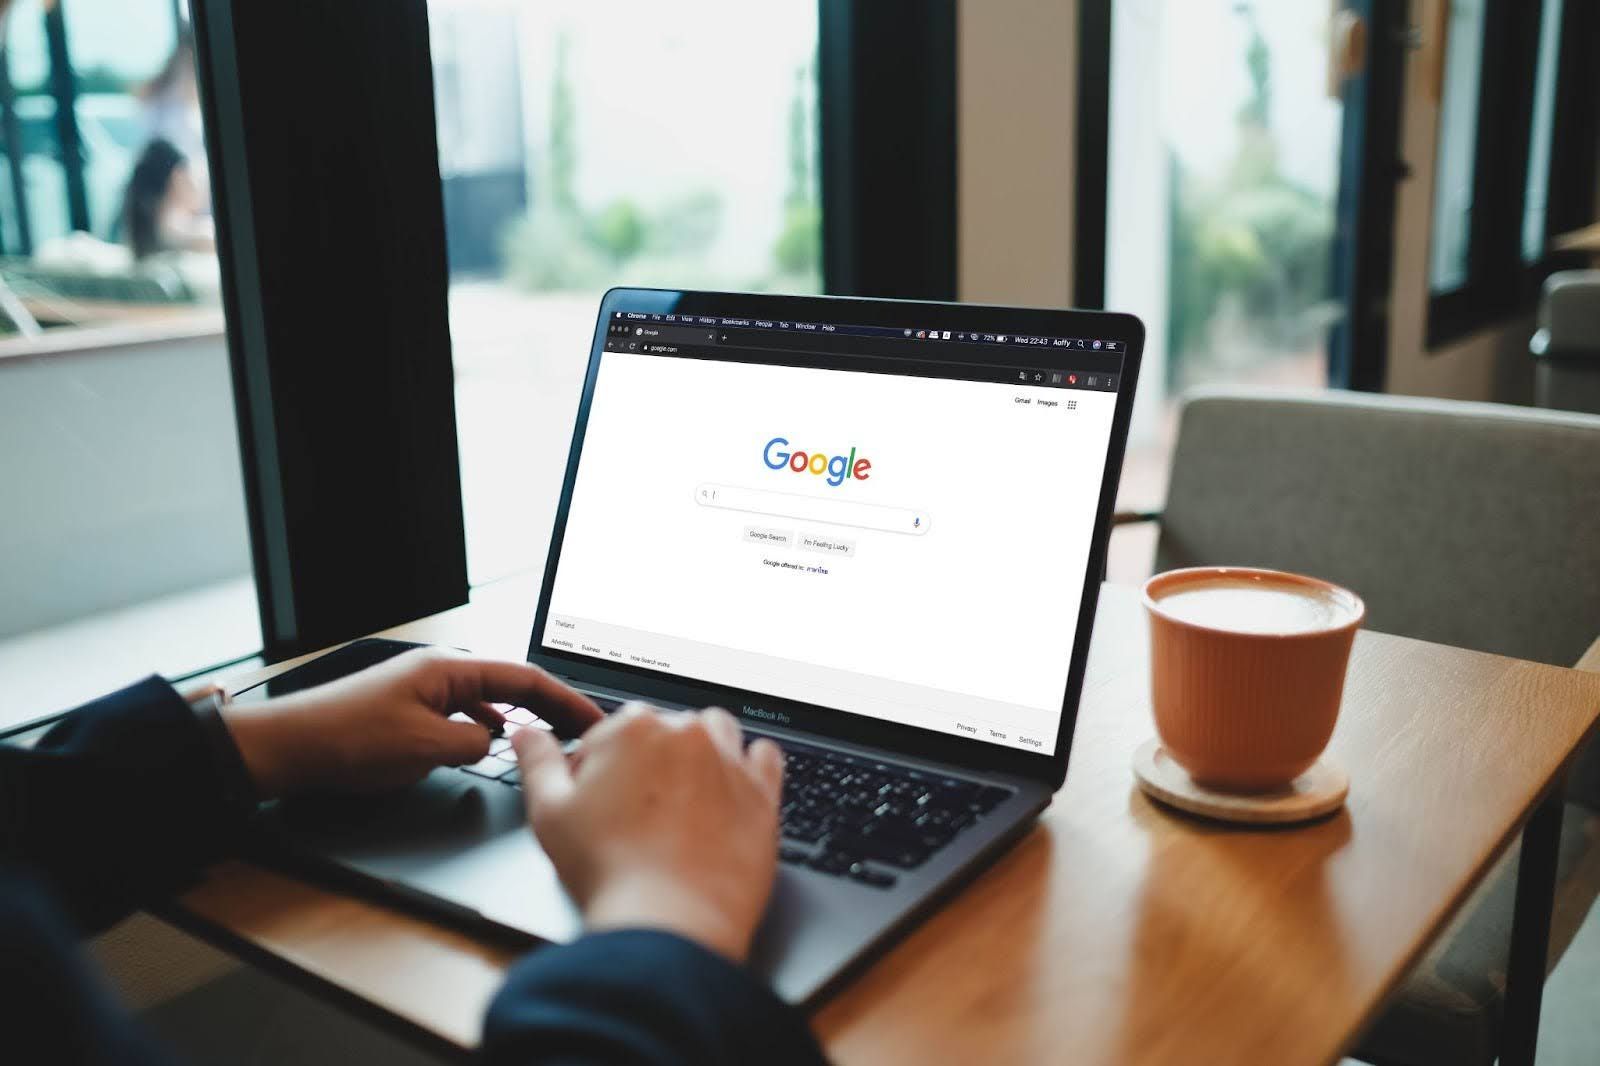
(1014, 340)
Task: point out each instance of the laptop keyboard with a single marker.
(854, 816)
(844, 815)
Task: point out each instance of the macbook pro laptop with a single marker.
(873, 530)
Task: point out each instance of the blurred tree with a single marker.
(618, 231)
(685, 225)
(797, 253)
(1258, 62)
(563, 153)
(545, 250)
(560, 245)
(1252, 241)
(801, 129)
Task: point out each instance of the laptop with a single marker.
(873, 530)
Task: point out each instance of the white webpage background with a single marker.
(984, 604)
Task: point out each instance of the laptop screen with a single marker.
(882, 521)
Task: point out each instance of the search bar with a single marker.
(812, 509)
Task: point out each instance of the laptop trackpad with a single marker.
(461, 839)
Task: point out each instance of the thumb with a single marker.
(545, 776)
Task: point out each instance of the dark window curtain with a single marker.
(320, 122)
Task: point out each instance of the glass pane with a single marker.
(1223, 171)
(126, 540)
(127, 59)
(682, 156)
(1458, 146)
(1543, 132)
(28, 132)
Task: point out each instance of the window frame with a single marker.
(11, 145)
(1092, 165)
(889, 184)
(64, 88)
(62, 84)
(1500, 284)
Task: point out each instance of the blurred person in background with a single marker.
(170, 106)
(167, 203)
(164, 208)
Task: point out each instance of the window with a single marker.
(105, 179)
(126, 541)
(1514, 158)
(1456, 166)
(1223, 171)
(589, 144)
(1535, 213)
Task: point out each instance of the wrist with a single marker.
(237, 788)
(663, 904)
(272, 744)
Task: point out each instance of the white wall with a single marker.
(1016, 117)
(119, 478)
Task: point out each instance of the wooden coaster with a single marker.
(1315, 793)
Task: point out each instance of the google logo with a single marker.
(838, 468)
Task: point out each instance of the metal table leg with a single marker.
(1530, 931)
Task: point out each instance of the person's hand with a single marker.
(388, 725)
(665, 821)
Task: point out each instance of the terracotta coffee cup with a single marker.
(1247, 669)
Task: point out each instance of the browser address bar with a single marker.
(812, 509)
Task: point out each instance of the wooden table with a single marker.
(1115, 932)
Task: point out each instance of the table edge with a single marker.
(249, 950)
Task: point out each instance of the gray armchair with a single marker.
(1476, 525)
(1566, 348)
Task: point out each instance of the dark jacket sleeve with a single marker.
(127, 798)
(120, 803)
(640, 996)
(53, 1007)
